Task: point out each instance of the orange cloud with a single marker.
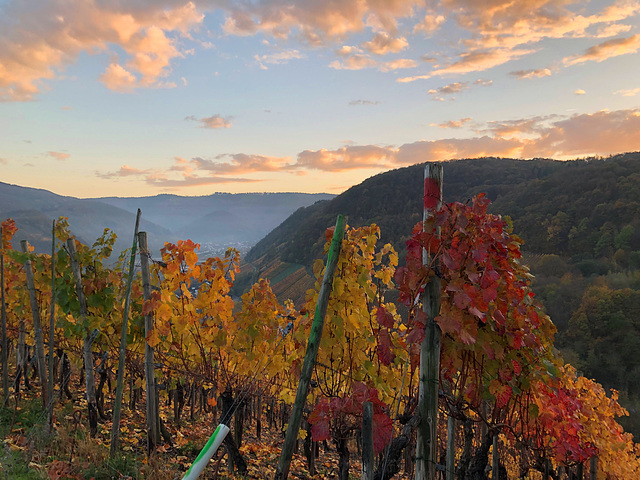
(430, 24)
(59, 155)
(278, 58)
(345, 158)
(317, 22)
(124, 171)
(628, 93)
(353, 61)
(119, 79)
(398, 64)
(600, 133)
(452, 123)
(382, 44)
(241, 163)
(529, 74)
(605, 50)
(37, 44)
(214, 122)
(451, 148)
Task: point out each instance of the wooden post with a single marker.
(52, 322)
(89, 381)
(451, 448)
(284, 463)
(580, 471)
(117, 405)
(593, 468)
(37, 328)
(367, 441)
(5, 343)
(149, 362)
(426, 454)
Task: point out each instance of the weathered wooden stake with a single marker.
(284, 463)
(593, 468)
(52, 323)
(426, 454)
(451, 448)
(90, 384)
(149, 363)
(37, 329)
(117, 406)
(367, 441)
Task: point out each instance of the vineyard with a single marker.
(111, 372)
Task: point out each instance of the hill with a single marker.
(216, 221)
(34, 209)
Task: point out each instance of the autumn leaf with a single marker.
(384, 318)
(385, 353)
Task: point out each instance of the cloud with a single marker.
(430, 24)
(400, 63)
(58, 155)
(241, 163)
(382, 44)
(523, 127)
(195, 181)
(605, 50)
(579, 92)
(36, 44)
(363, 102)
(3, 161)
(628, 93)
(66, 107)
(278, 58)
(354, 61)
(600, 133)
(213, 122)
(317, 22)
(529, 74)
(118, 78)
(480, 60)
(124, 171)
(167, 179)
(451, 88)
(345, 158)
(452, 123)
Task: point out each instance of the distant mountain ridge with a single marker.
(219, 219)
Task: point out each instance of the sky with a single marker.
(141, 97)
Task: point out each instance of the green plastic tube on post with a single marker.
(206, 453)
